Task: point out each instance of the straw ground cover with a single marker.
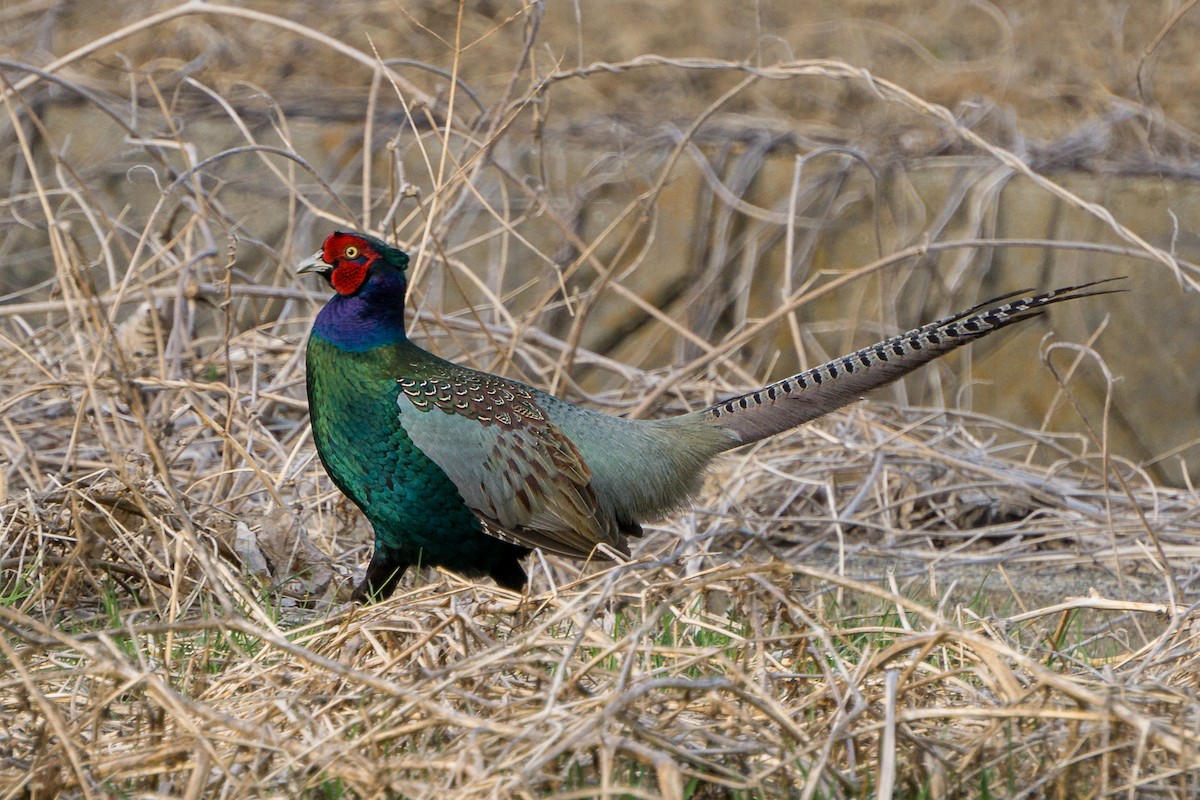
(908, 599)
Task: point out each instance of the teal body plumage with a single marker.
(466, 470)
(417, 513)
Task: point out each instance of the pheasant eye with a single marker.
(350, 252)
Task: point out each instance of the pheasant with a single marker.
(469, 471)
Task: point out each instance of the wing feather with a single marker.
(520, 474)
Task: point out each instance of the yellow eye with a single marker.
(350, 252)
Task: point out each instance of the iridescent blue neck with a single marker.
(371, 318)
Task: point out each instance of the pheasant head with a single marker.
(368, 276)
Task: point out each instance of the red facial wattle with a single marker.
(348, 276)
(351, 258)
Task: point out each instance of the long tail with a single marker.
(814, 393)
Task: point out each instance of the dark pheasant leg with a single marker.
(386, 569)
(509, 573)
(383, 573)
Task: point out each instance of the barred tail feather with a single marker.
(807, 395)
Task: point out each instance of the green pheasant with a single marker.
(469, 471)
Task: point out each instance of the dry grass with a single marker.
(918, 600)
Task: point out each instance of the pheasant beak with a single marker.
(314, 263)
